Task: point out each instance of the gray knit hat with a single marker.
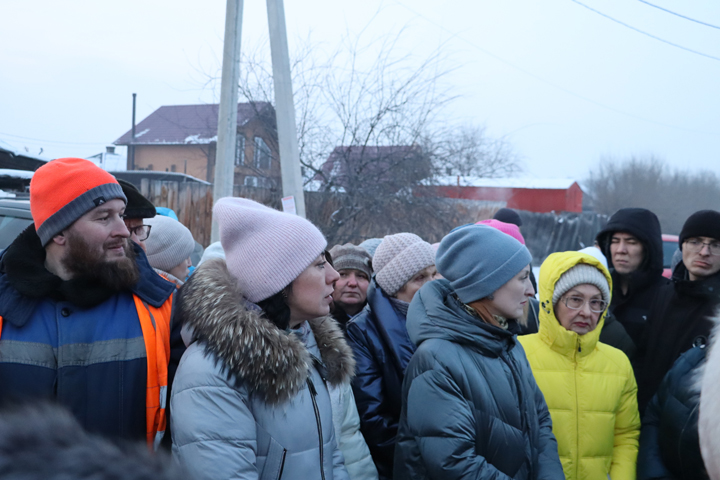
(479, 259)
(169, 243)
(580, 274)
(350, 257)
(398, 258)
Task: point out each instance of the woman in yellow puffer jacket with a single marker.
(589, 387)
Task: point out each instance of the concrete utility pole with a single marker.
(227, 116)
(292, 181)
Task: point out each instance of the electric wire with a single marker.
(679, 15)
(54, 142)
(646, 33)
(548, 82)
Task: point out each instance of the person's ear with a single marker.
(60, 239)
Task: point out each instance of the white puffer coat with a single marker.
(346, 421)
(250, 401)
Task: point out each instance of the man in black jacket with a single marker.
(632, 243)
(679, 319)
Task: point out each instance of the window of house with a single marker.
(240, 149)
(251, 181)
(262, 154)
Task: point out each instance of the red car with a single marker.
(670, 246)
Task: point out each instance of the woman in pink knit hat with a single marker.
(250, 397)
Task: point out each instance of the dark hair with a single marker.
(276, 308)
(44, 441)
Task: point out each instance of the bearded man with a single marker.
(84, 319)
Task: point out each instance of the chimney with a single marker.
(110, 149)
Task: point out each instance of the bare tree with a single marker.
(648, 182)
(467, 150)
(372, 124)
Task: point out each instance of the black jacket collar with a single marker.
(22, 269)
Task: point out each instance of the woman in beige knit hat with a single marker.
(403, 263)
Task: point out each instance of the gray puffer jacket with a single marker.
(250, 401)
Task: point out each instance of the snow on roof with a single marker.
(534, 183)
(9, 172)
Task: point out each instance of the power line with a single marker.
(55, 142)
(646, 33)
(679, 15)
(548, 82)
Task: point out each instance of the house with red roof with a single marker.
(183, 139)
(530, 194)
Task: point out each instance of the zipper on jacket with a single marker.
(282, 463)
(313, 394)
(577, 412)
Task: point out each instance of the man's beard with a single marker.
(84, 261)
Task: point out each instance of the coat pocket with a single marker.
(274, 461)
(502, 445)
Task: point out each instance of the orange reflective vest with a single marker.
(155, 324)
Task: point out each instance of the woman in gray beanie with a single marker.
(471, 407)
(169, 249)
(250, 398)
(403, 263)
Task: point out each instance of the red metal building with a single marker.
(531, 194)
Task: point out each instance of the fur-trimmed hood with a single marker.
(271, 362)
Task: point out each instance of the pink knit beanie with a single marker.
(265, 249)
(398, 258)
(507, 228)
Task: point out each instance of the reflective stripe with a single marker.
(28, 353)
(0, 325)
(163, 396)
(158, 438)
(118, 350)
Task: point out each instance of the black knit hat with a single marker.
(705, 223)
(137, 205)
(508, 215)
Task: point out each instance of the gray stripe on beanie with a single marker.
(79, 206)
(580, 274)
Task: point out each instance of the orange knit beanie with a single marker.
(63, 190)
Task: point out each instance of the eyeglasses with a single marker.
(142, 232)
(694, 245)
(576, 303)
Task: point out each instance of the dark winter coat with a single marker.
(471, 407)
(76, 342)
(679, 321)
(250, 401)
(632, 309)
(382, 349)
(669, 443)
(614, 334)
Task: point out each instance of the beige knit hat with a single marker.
(398, 258)
(265, 249)
(578, 275)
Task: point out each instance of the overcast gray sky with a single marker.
(563, 83)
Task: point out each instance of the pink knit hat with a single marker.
(507, 228)
(265, 249)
